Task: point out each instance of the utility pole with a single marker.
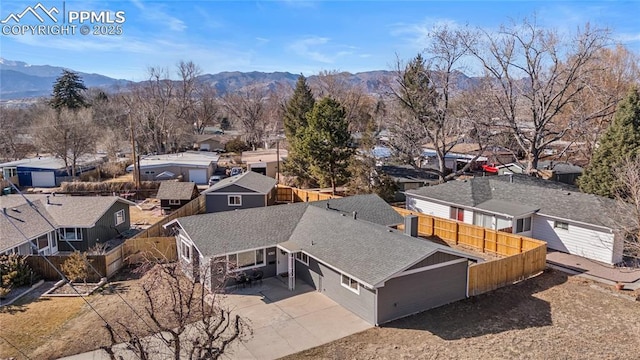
(278, 161)
(136, 169)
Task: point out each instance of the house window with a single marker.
(71, 234)
(456, 213)
(350, 284)
(185, 251)
(561, 225)
(523, 225)
(174, 202)
(484, 220)
(119, 216)
(303, 258)
(234, 200)
(10, 172)
(149, 172)
(246, 259)
(40, 246)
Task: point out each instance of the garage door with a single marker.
(421, 291)
(205, 147)
(198, 176)
(43, 179)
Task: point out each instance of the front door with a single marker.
(283, 265)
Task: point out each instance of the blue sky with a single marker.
(294, 36)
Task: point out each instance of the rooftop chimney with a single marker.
(411, 225)
(48, 202)
(355, 215)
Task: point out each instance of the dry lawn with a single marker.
(549, 317)
(146, 217)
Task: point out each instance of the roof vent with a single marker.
(343, 214)
(355, 215)
(48, 202)
(568, 193)
(388, 230)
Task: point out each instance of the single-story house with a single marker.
(193, 166)
(52, 220)
(173, 195)
(264, 162)
(244, 191)
(354, 258)
(407, 177)
(552, 170)
(567, 219)
(47, 171)
(207, 142)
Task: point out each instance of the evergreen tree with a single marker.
(295, 124)
(327, 143)
(621, 140)
(68, 92)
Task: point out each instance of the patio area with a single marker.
(285, 322)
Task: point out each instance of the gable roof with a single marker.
(365, 249)
(173, 190)
(21, 223)
(69, 211)
(250, 180)
(516, 193)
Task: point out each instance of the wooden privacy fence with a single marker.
(194, 207)
(524, 256)
(41, 267)
(289, 194)
(162, 249)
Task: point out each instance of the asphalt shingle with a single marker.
(250, 180)
(173, 190)
(22, 222)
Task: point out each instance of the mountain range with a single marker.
(19, 80)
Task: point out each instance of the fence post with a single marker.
(484, 240)
(457, 231)
(520, 247)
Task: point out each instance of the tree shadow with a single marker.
(509, 308)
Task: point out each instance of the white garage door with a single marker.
(43, 179)
(205, 147)
(198, 176)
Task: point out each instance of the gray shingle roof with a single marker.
(250, 180)
(172, 190)
(68, 211)
(20, 221)
(551, 198)
(369, 251)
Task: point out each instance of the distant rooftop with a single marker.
(50, 162)
(191, 158)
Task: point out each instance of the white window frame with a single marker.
(348, 284)
(524, 227)
(255, 265)
(562, 225)
(185, 248)
(10, 172)
(303, 258)
(174, 202)
(118, 214)
(239, 197)
(77, 232)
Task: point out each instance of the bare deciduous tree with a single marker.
(537, 76)
(628, 199)
(248, 107)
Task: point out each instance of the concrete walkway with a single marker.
(283, 322)
(594, 270)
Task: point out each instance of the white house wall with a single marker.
(436, 209)
(579, 239)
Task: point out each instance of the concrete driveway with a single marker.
(285, 322)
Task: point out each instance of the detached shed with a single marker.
(173, 195)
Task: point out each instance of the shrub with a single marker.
(76, 267)
(14, 272)
(236, 145)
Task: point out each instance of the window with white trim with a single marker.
(174, 202)
(71, 234)
(561, 225)
(456, 213)
(234, 200)
(302, 257)
(185, 251)
(350, 284)
(523, 225)
(119, 217)
(246, 259)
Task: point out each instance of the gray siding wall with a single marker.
(409, 294)
(436, 258)
(328, 281)
(178, 170)
(219, 202)
(104, 229)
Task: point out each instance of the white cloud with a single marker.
(308, 47)
(416, 35)
(158, 15)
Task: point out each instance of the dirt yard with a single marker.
(551, 316)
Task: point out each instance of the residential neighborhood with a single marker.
(265, 181)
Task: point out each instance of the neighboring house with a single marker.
(551, 170)
(81, 220)
(46, 171)
(244, 191)
(208, 142)
(193, 166)
(356, 259)
(264, 162)
(568, 220)
(173, 195)
(407, 177)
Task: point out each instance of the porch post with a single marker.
(292, 271)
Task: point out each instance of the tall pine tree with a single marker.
(620, 141)
(295, 125)
(327, 143)
(68, 92)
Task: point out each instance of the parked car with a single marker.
(214, 179)
(236, 171)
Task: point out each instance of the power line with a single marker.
(15, 347)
